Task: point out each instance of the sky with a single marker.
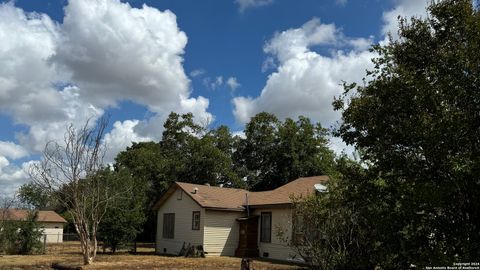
(64, 62)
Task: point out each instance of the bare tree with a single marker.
(68, 171)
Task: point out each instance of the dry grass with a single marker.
(68, 254)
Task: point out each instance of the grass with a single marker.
(68, 254)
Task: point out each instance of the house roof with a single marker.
(283, 195)
(21, 214)
(234, 199)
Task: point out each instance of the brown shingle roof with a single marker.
(21, 214)
(283, 195)
(235, 199)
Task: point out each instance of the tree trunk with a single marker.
(95, 245)
(82, 231)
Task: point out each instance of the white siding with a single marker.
(221, 232)
(278, 248)
(53, 232)
(183, 224)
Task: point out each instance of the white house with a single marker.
(228, 221)
(51, 222)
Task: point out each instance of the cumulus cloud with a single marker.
(12, 150)
(117, 52)
(245, 4)
(28, 41)
(121, 136)
(305, 81)
(145, 65)
(12, 176)
(103, 52)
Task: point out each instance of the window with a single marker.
(266, 227)
(179, 194)
(168, 225)
(196, 220)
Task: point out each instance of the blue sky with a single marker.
(67, 61)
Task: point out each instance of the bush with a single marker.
(21, 237)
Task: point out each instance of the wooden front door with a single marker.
(248, 238)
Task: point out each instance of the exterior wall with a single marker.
(278, 248)
(183, 232)
(53, 232)
(221, 232)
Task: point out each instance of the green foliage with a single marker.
(274, 153)
(417, 124)
(33, 195)
(330, 229)
(125, 214)
(21, 237)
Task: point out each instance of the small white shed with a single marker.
(51, 222)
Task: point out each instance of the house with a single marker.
(229, 221)
(51, 222)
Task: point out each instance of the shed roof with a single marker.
(234, 199)
(22, 214)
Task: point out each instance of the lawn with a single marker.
(68, 254)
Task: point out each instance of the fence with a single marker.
(70, 242)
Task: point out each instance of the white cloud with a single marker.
(105, 51)
(403, 8)
(116, 52)
(268, 64)
(213, 83)
(12, 150)
(121, 137)
(74, 110)
(245, 4)
(28, 40)
(305, 82)
(239, 133)
(197, 72)
(233, 83)
(12, 176)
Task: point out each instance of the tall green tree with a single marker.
(274, 153)
(125, 215)
(34, 196)
(417, 123)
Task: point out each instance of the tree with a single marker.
(417, 123)
(125, 216)
(274, 153)
(34, 196)
(21, 236)
(68, 172)
(5, 204)
(28, 234)
(331, 229)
